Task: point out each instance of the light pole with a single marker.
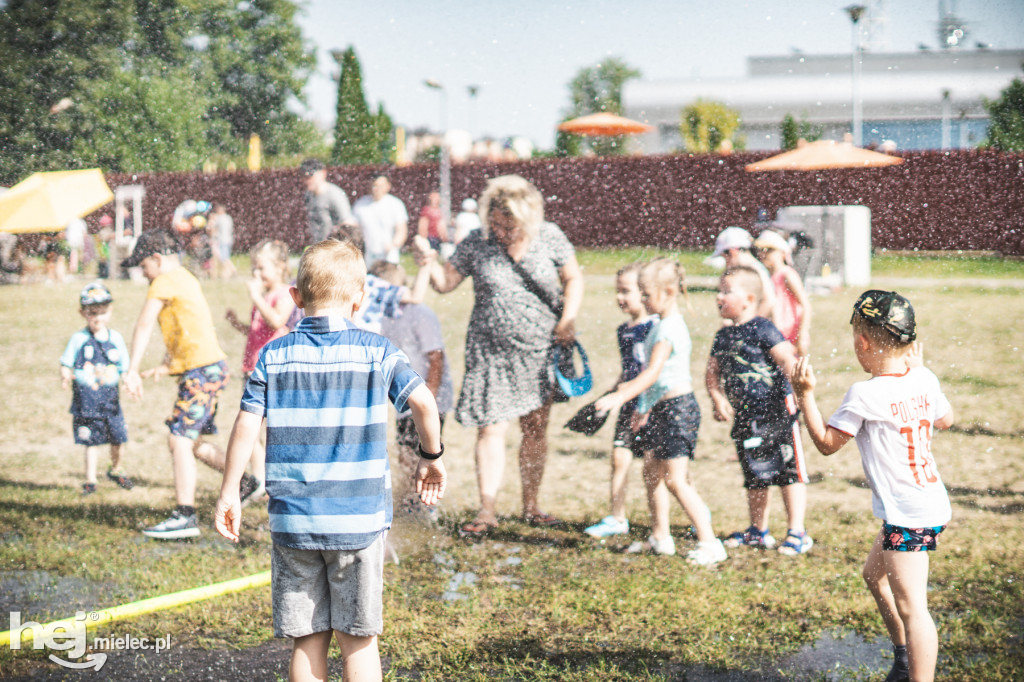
(446, 159)
(947, 116)
(856, 12)
(473, 91)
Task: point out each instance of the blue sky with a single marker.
(522, 54)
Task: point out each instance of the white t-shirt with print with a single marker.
(891, 417)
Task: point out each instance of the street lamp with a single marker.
(446, 159)
(856, 12)
(473, 91)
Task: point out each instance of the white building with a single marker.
(930, 99)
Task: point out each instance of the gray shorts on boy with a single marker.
(319, 590)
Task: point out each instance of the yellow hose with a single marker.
(166, 601)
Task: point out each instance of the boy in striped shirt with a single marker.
(323, 391)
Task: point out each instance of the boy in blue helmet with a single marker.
(92, 365)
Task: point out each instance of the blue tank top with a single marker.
(631, 347)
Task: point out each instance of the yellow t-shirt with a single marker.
(185, 321)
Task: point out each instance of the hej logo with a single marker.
(60, 636)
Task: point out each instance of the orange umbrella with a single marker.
(603, 124)
(822, 155)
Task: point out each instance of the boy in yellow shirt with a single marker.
(175, 301)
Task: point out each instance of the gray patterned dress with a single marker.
(509, 339)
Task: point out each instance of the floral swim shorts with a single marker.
(196, 406)
(900, 539)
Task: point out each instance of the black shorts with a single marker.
(624, 435)
(671, 430)
(99, 430)
(770, 452)
(405, 433)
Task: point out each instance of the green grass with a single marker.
(542, 604)
(906, 265)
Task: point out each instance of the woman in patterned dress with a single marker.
(523, 270)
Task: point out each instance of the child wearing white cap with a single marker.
(792, 307)
(734, 244)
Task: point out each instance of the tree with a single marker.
(792, 132)
(385, 131)
(567, 144)
(356, 135)
(260, 62)
(596, 89)
(1006, 118)
(144, 85)
(706, 124)
(130, 123)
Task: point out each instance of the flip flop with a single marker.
(477, 528)
(542, 520)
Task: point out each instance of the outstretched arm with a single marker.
(826, 438)
(140, 339)
(723, 411)
(401, 234)
(628, 390)
(572, 298)
(784, 355)
(419, 286)
(430, 477)
(228, 514)
(796, 287)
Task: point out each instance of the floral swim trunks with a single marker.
(196, 406)
(900, 539)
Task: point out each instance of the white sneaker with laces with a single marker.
(707, 553)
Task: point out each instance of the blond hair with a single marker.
(748, 279)
(665, 272)
(882, 340)
(277, 249)
(516, 196)
(331, 273)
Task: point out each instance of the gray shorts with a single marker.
(320, 590)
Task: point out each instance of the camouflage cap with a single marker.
(889, 310)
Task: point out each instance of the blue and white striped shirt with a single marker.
(323, 390)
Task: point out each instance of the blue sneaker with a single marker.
(607, 527)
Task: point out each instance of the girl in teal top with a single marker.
(667, 416)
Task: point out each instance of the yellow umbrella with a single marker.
(822, 155)
(47, 202)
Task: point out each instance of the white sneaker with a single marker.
(667, 548)
(707, 553)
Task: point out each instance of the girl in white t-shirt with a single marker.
(892, 417)
(667, 415)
